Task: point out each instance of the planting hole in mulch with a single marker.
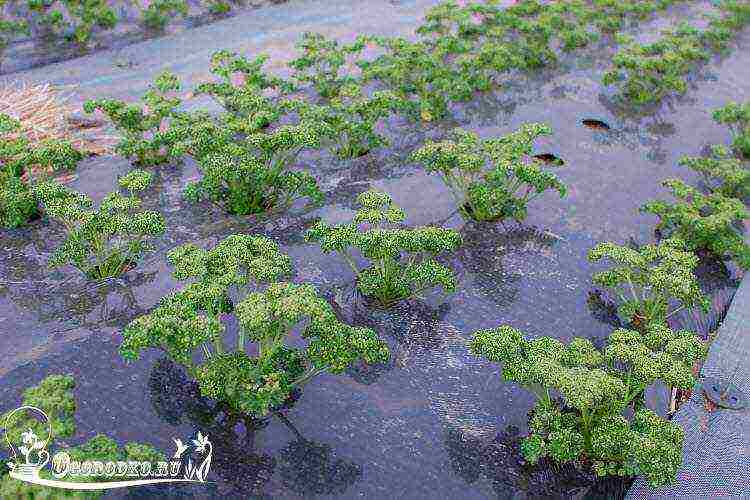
(549, 158)
(594, 124)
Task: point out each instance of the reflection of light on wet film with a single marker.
(460, 413)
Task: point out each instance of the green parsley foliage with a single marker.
(600, 416)
(240, 263)
(648, 281)
(703, 221)
(20, 157)
(54, 396)
(149, 136)
(246, 155)
(737, 117)
(240, 276)
(254, 175)
(76, 18)
(647, 73)
(159, 12)
(17, 203)
(242, 89)
(721, 172)
(322, 61)
(419, 76)
(466, 48)
(491, 179)
(106, 241)
(23, 165)
(353, 117)
(218, 7)
(401, 262)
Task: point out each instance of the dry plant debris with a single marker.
(43, 110)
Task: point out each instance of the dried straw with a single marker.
(43, 111)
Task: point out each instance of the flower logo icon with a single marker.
(28, 445)
(202, 445)
(181, 447)
(32, 448)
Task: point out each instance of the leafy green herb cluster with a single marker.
(466, 48)
(245, 168)
(247, 155)
(218, 7)
(236, 323)
(242, 89)
(647, 73)
(21, 158)
(321, 62)
(10, 29)
(76, 19)
(652, 282)
(401, 263)
(721, 172)
(590, 406)
(419, 76)
(253, 175)
(101, 242)
(491, 179)
(704, 221)
(17, 203)
(54, 396)
(148, 136)
(709, 219)
(240, 276)
(352, 117)
(737, 117)
(106, 241)
(22, 166)
(159, 12)
(462, 46)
